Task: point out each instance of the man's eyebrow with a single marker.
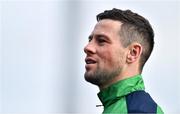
(101, 35)
(98, 36)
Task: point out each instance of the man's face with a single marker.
(105, 55)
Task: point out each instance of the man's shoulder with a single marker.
(140, 102)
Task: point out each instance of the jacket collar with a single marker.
(120, 89)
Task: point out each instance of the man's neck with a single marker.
(121, 76)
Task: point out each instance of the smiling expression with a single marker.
(105, 54)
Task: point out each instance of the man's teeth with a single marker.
(90, 62)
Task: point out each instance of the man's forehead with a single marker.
(107, 26)
(106, 22)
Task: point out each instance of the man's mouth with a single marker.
(89, 60)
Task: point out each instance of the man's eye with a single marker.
(100, 40)
(89, 38)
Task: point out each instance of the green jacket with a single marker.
(128, 96)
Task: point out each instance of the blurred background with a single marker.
(42, 58)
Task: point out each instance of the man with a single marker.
(118, 48)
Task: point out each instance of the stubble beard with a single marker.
(101, 76)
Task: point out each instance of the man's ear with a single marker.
(134, 52)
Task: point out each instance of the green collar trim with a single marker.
(120, 89)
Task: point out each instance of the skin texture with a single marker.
(107, 61)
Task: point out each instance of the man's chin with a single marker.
(100, 77)
(89, 77)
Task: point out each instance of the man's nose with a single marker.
(90, 48)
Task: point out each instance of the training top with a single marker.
(128, 96)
